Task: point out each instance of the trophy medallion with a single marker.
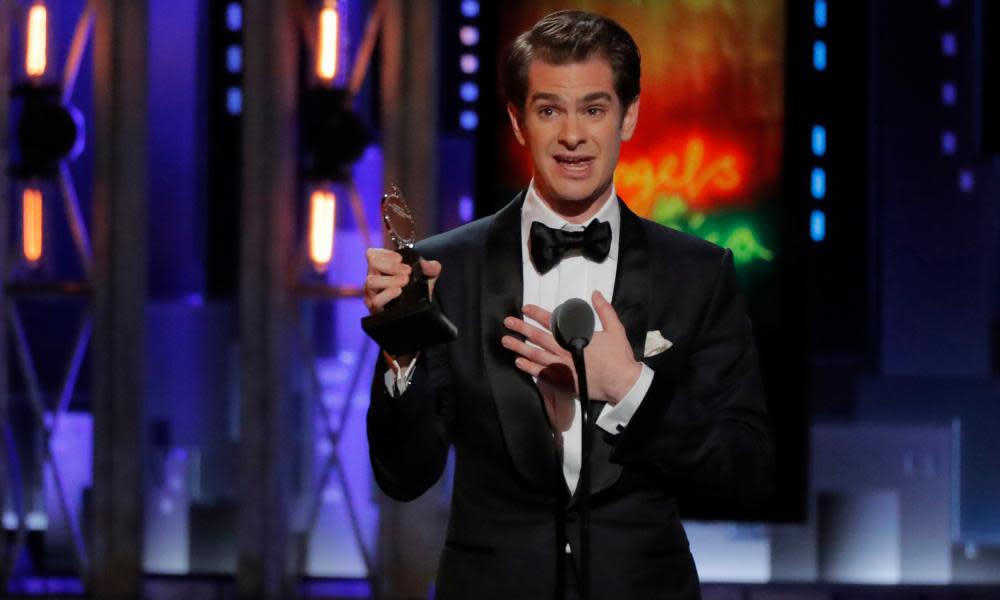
(410, 322)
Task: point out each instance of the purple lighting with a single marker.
(949, 44)
(466, 209)
(966, 181)
(949, 93)
(469, 63)
(949, 143)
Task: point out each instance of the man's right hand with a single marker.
(387, 274)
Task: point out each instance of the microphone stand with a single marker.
(583, 484)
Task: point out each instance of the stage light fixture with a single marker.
(949, 143)
(469, 120)
(234, 58)
(234, 16)
(817, 226)
(327, 51)
(470, 8)
(949, 44)
(949, 93)
(322, 225)
(234, 101)
(818, 140)
(35, 56)
(817, 184)
(819, 55)
(469, 91)
(820, 13)
(32, 236)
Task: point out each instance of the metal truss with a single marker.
(48, 418)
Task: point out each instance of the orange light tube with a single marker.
(322, 219)
(326, 60)
(34, 57)
(31, 232)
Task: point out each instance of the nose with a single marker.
(571, 133)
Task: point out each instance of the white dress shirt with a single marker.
(574, 277)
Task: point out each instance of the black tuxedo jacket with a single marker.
(701, 427)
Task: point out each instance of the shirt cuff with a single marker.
(614, 419)
(397, 378)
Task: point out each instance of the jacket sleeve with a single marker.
(705, 428)
(409, 435)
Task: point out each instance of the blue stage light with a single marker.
(469, 91)
(817, 183)
(819, 13)
(949, 93)
(234, 16)
(469, 120)
(949, 44)
(470, 9)
(234, 100)
(466, 209)
(469, 35)
(819, 55)
(949, 143)
(234, 58)
(818, 140)
(469, 63)
(817, 226)
(966, 181)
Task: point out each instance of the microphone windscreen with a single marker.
(573, 321)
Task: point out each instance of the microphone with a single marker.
(573, 324)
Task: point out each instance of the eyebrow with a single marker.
(550, 97)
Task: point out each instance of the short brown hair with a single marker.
(569, 36)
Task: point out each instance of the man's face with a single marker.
(573, 125)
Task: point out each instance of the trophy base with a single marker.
(405, 330)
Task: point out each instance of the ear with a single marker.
(515, 123)
(629, 120)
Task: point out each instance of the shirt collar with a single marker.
(535, 209)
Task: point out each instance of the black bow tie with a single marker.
(548, 246)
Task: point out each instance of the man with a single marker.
(673, 369)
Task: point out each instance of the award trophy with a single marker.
(410, 322)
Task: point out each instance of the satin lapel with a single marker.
(519, 407)
(630, 300)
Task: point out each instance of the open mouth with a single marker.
(574, 164)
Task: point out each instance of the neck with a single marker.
(578, 212)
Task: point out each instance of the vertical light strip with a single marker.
(322, 220)
(35, 56)
(31, 230)
(326, 63)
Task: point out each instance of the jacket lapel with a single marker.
(519, 406)
(631, 301)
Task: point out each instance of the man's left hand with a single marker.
(611, 368)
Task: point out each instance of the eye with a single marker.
(596, 111)
(546, 111)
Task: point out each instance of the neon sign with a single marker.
(686, 173)
(665, 192)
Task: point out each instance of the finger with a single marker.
(431, 268)
(539, 337)
(539, 314)
(376, 283)
(606, 313)
(531, 368)
(380, 299)
(532, 353)
(386, 262)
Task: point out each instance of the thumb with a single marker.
(431, 268)
(606, 313)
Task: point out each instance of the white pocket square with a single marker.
(655, 344)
